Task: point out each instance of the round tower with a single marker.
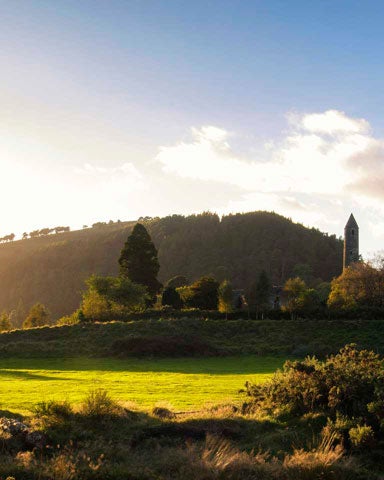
(351, 242)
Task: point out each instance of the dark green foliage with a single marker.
(259, 297)
(171, 297)
(52, 269)
(138, 260)
(203, 294)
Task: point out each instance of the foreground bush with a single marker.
(348, 385)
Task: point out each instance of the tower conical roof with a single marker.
(351, 222)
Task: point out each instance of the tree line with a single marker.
(236, 248)
(137, 288)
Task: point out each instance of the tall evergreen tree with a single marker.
(259, 295)
(138, 260)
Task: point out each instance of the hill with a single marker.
(51, 269)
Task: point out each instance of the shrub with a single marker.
(73, 319)
(53, 409)
(172, 298)
(163, 412)
(98, 404)
(346, 383)
(362, 437)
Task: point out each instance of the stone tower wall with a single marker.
(351, 243)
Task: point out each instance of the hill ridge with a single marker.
(51, 269)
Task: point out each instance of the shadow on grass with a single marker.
(239, 365)
(22, 375)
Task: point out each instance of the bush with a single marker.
(348, 383)
(98, 404)
(362, 437)
(53, 409)
(74, 319)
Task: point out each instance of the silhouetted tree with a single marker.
(263, 292)
(138, 260)
(172, 298)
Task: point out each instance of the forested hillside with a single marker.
(52, 269)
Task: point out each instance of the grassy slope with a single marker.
(235, 337)
(184, 383)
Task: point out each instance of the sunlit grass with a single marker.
(185, 383)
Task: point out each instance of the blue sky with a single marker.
(117, 109)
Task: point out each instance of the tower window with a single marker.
(353, 231)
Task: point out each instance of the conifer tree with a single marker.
(138, 260)
(259, 294)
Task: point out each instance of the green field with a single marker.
(184, 383)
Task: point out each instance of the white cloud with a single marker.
(306, 161)
(327, 163)
(334, 122)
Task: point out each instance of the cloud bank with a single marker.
(326, 163)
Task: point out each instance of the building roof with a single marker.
(351, 222)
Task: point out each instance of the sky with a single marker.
(119, 109)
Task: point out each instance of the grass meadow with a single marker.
(183, 383)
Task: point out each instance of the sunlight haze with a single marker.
(121, 109)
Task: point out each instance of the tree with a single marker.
(109, 296)
(38, 316)
(263, 292)
(172, 298)
(323, 290)
(360, 284)
(202, 294)
(138, 260)
(294, 290)
(259, 297)
(225, 293)
(5, 322)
